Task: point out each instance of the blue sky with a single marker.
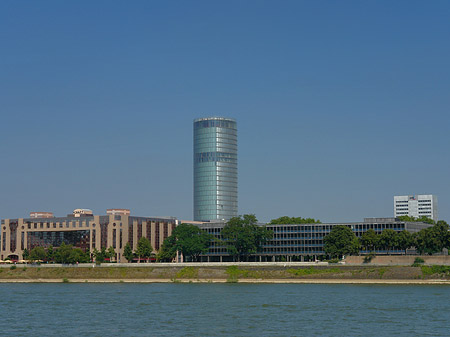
(340, 105)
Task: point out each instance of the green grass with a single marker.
(187, 272)
(234, 273)
(431, 270)
(381, 272)
(314, 271)
(65, 280)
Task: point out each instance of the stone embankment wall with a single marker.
(393, 260)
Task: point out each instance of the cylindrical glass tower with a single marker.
(215, 169)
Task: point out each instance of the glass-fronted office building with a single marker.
(215, 169)
(300, 242)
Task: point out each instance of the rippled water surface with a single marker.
(223, 310)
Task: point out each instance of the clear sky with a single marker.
(340, 104)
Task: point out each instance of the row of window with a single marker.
(406, 201)
(215, 124)
(213, 138)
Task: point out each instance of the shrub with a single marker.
(418, 261)
(13, 267)
(368, 258)
(334, 261)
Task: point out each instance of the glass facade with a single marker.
(215, 169)
(79, 239)
(296, 240)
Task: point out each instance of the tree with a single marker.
(38, 254)
(25, 254)
(285, 220)
(388, 239)
(62, 255)
(405, 240)
(111, 253)
(425, 219)
(50, 253)
(341, 241)
(78, 256)
(243, 236)
(369, 240)
(144, 248)
(426, 242)
(168, 250)
(433, 239)
(441, 228)
(99, 255)
(408, 218)
(128, 252)
(190, 240)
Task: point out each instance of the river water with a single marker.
(223, 310)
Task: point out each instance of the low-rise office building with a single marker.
(300, 241)
(84, 230)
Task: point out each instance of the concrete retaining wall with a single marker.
(174, 265)
(393, 260)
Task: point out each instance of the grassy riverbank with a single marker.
(232, 274)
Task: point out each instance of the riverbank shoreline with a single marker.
(245, 281)
(335, 274)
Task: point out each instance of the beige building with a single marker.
(85, 231)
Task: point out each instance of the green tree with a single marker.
(426, 242)
(341, 241)
(433, 239)
(168, 250)
(190, 240)
(76, 255)
(369, 240)
(25, 254)
(405, 240)
(111, 253)
(424, 219)
(243, 236)
(388, 239)
(99, 255)
(128, 252)
(62, 254)
(144, 248)
(50, 253)
(38, 254)
(441, 228)
(286, 220)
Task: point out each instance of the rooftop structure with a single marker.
(121, 211)
(41, 215)
(82, 212)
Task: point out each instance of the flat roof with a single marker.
(215, 119)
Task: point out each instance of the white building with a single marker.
(416, 206)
